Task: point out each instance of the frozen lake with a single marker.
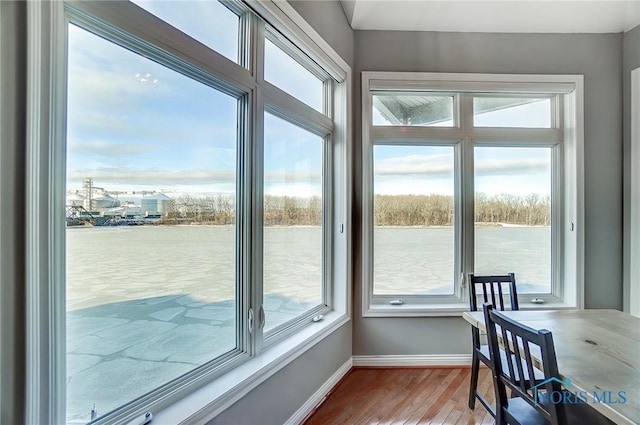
(411, 260)
(146, 304)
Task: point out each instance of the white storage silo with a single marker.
(155, 204)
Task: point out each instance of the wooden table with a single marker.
(599, 350)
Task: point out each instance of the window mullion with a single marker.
(557, 220)
(256, 190)
(328, 218)
(521, 136)
(247, 30)
(465, 198)
(558, 117)
(288, 107)
(465, 195)
(257, 40)
(465, 120)
(400, 135)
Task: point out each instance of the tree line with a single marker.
(221, 210)
(438, 210)
(389, 210)
(214, 209)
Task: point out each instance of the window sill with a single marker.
(554, 305)
(207, 402)
(416, 310)
(452, 309)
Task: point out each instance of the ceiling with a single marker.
(524, 16)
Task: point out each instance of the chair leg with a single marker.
(475, 369)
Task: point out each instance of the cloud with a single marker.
(148, 177)
(441, 166)
(133, 177)
(293, 177)
(509, 167)
(99, 148)
(436, 166)
(108, 99)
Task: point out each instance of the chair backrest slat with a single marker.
(500, 296)
(528, 357)
(493, 290)
(507, 349)
(493, 294)
(517, 359)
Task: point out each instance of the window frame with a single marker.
(632, 285)
(121, 22)
(564, 137)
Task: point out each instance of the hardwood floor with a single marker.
(404, 396)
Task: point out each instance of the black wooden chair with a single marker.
(494, 290)
(532, 401)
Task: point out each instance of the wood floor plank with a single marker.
(476, 416)
(404, 396)
(459, 402)
(420, 400)
(402, 410)
(389, 398)
(345, 398)
(443, 401)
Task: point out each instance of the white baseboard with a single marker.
(417, 360)
(319, 395)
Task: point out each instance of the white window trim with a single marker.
(46, 386)
(633, 261)
(569, 187)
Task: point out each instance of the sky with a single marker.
(133, 124)
(424, 170)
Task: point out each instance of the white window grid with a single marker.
(562, 90)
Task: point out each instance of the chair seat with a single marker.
(580, 413)
(585, 414)
(519, 411)
(484, 352)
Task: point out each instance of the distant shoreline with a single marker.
(477, 224)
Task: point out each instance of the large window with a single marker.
(196, 205)
(469, 174)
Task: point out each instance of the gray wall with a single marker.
(12, 231)
(599, 58)
(630, 61)
(329, 20)
(277, 399)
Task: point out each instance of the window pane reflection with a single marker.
(150, 236)
(428, 110)
(292, 256)
(209, 22)
(513, 215)
(283, 71)
(413, 231)
(511, 112)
